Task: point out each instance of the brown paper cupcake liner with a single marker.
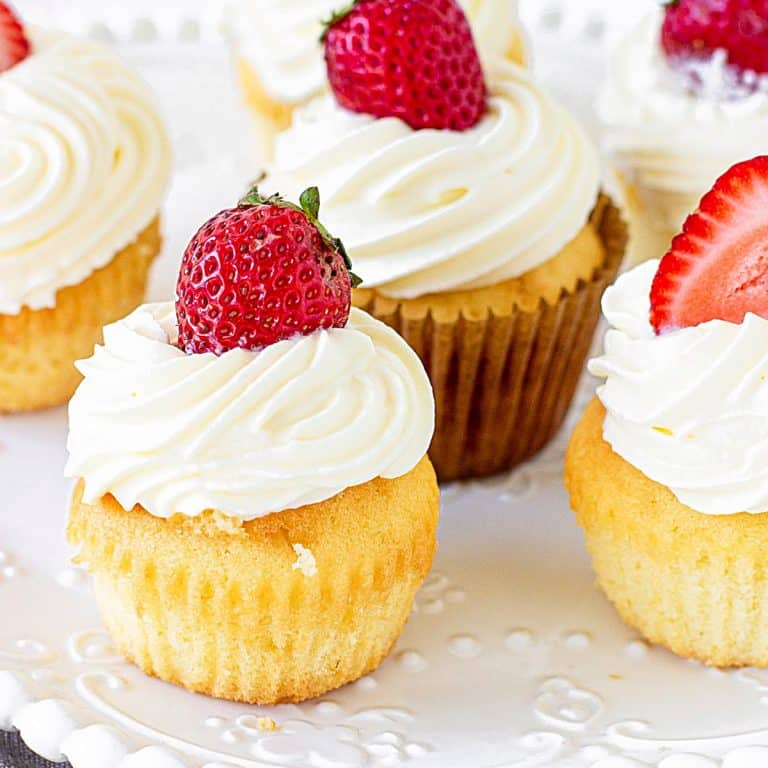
(224, 609)
(38, 348)
(503, 381)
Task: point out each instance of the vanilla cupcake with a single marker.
(86, 161)
(487, 248)
(279, 58)
(667, 470)
(672, 124)
(253, 498)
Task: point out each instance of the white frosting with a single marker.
(84, 163)
(247, 433)
(664, 137)
(495, 26)
(425, 211)
(281, 39)
(688, 408)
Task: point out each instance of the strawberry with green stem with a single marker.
(259, 273)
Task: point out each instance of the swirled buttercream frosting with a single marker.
(84, 163)
(247, 433)
(281, 40)
(432, 210)
(687, 408)
(665, 135)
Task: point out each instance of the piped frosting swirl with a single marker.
(427, 211)
(84, 164)
(688, 408)
(247, 433)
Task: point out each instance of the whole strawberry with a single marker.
(412, 59)
(260, 273)
(14, 45)
(695, 29)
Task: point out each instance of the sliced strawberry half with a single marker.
(717, 268)
(14, 45)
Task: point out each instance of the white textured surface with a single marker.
(512, 659)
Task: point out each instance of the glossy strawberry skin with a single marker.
(717, 268)
(255, 275)
(14, 44)
(412, 59)
(695, 29)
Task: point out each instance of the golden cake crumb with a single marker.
(267, 724)
(224, 612)
(692, 582)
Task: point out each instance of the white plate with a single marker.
(512, 658)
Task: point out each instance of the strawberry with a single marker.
(717, 269)
(695, 29)
(412, 59)
(259, 273)
(14, 45)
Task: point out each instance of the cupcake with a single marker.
(84, 170)
(473, 214)
(278, 56)
(686, 97)
(667, 469)
(253, 497)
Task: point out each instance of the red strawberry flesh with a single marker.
(717, 268)
(14, 44)
(695, 29)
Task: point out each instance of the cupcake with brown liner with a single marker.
(254, 500)
(487, 248)
(87, 162)
(278, 56)
(667, 470)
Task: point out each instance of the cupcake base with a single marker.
(695, 583)
(654, 218)
(518, 48)
(38, 348)
(240, 611)
(504, 361)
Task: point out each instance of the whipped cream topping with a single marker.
(250, 432)
(661, 135)
(84, 163)
(280, 39)
(427, 211)
(688, 408)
